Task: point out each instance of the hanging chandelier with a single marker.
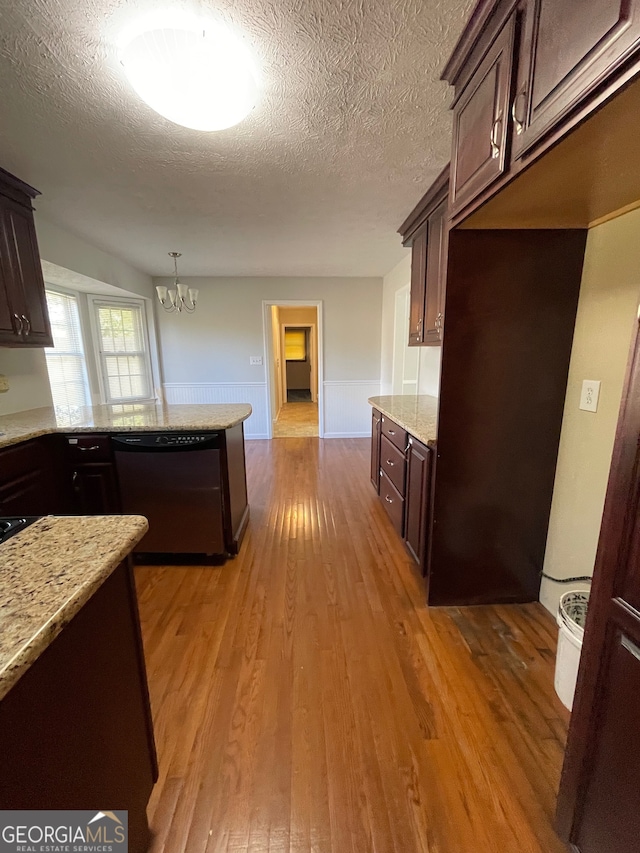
(180, 297)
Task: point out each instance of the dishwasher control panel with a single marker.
(167, 441)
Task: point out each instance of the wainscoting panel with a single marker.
(254, 393)
(346, 411)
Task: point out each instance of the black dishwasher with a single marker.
(173, 479)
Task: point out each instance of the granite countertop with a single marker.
(47, 573)
(125, 417)
(417, 413)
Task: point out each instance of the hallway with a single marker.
(297, 420)
(306, 701)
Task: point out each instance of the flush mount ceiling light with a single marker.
(194, 72)
(180, 297)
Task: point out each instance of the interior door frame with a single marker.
(310, 328)
(268, 348)
(401, 348)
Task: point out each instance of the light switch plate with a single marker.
(4, 383)
(255, 359)
(590, 394)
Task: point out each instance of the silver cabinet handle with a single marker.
(495, 148)
(92, 447)
(27, 323)
(388, 499)
(390, 463)
(20, 323)
(518, 123)
(391, 432)
(438, 321)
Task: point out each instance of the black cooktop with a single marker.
(11, 525)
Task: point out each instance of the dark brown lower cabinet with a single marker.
(375, 449)
(417, 500)
(33, 478)
(403, 466)
(599, 798)
(393, 502)
(92, 473)
(95, 489)
(76, 729)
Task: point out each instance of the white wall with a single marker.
(206, 355)
(607, 313)
(429, 358)
(27, 369)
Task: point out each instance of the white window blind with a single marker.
(123, 352)
(66, 363)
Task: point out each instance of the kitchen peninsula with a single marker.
(75, 722)
(61, 463)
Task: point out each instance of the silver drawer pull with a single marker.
(388, 499)
(93, 447)
(390, 463)
(392, 432)
(630, 647)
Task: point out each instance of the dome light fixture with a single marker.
(194, 72)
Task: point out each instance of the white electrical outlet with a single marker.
(255, 359)
(589, 395)
(4, 383)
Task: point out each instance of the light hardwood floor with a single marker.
(305, 699)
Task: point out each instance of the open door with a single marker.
(599, 797)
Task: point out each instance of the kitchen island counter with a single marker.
(47, 573)
(129, 417)
(75, 722)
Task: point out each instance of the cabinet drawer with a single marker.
(393, 432)
(393, 463)
(88, 448)
(393, 502)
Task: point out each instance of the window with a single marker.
(66, 363)
(121, 340)
(295, 344)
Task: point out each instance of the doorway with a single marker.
(293, 343)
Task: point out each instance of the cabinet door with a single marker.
(9, 325)
(26, 272)
(417, 500)
(599, 797)
(436, 271)
(96, 490)
(30, 483)
(418, 288)
(375, 449)
(481, 122)
(568, 49)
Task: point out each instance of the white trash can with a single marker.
(571, 618)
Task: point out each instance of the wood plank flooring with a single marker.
(305, 699)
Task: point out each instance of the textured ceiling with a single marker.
(350, 128)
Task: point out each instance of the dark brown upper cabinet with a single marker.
(425, 230)
(567, 50)
(24, 320)
(481, 122)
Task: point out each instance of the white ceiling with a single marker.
(351, 127)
